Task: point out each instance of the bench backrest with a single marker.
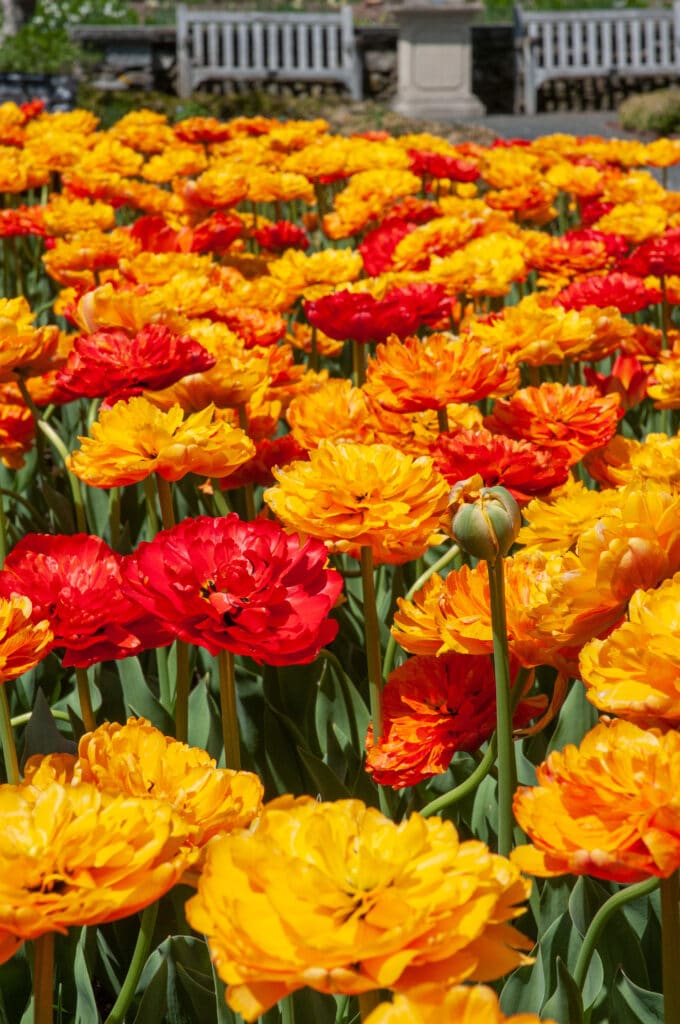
(256, 45)
(591, 43)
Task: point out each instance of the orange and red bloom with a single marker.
(432, 707)
(608, 808)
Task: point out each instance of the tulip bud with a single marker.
(488, 526)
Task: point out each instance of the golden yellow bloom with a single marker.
(442, 369)
(265, 186)
(72, 855)
(485, 266)
(635, 672)
(109, 156)
(298, 271)
(25, 349)
(664, 387)
(636, 544)
(23, 643)
(356, 495)
(178, 162)
(67, 122)
(461, 1004)
(49, 153)
(145, 130)
(339, 898)
(137, 760)
(556, 524)
(131, 310)
(76, 260)
(584, 182)
(539, 333)
(609, 808)
(160, 268)
(624, 460)
(487, 221)
(65, 215)
(509, 166)
(365, 197)
(662, 152)
(637, 186)
(440, 237)
(636, 221)
(134, 439)
(336, 411)
(218, 187)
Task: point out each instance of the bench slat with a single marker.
(224, 45)
(570, 44)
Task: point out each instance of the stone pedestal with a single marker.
(434, 59)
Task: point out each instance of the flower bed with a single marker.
(340, 530)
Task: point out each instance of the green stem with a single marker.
(372, 633)
(164, 689)
(151, 513)
(447, 557)
(3, 530)
(507, 772)
(248, 490)
(16, 720)
(182, 687)
(670, 944)
(76, 493)
(443, 420)
(368, 1002)
(228, 710)
(314, 352)
(454, 796)
(87, 714)
(597, 924)
(43, 971)
(9, 750)
(165, 502)
(359, 361)
(139, 957)
(114, 516)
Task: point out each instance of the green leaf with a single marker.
(139, 700)
(83, 970)
(629, 1002)
(586, 898)
(15, 987)
(525, 988)
(576, 718)
(153, 983)
(205, 728)
(42, 735)
(565, 1004)
(325, 781)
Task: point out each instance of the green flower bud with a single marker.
(487, 527)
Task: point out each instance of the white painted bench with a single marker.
(636, 42)
(251, 46)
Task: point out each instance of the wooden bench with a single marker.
(255, 46)
(635, 42)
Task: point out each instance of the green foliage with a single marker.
(657, 112)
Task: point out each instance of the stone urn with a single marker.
(434, 59)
